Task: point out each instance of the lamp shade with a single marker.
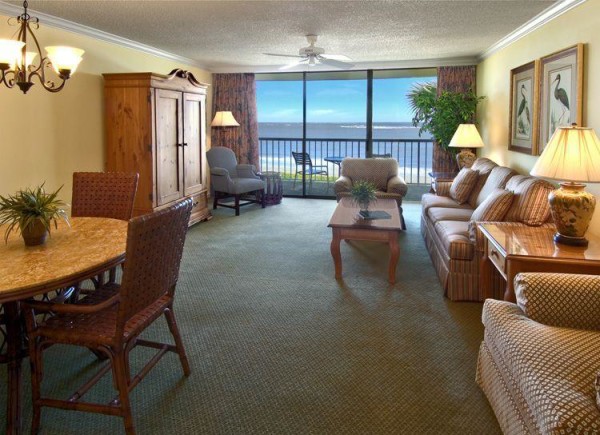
(224, 119)
(64, 59)
(466, 136)
(9, 51)
(572, 154)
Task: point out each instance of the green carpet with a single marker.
(278, 346)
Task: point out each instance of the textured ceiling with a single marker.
(235, 34)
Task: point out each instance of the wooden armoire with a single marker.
(156, 126)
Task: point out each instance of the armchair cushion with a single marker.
(245, 185)
(246, 171)
(557, 299)
(463, 184)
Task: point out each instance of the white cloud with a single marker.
(283, 113)
(321, 112)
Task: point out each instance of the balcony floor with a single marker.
(320, 188)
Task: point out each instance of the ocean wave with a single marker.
(382, 127)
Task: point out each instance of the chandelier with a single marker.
(17, 64)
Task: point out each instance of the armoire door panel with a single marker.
(193, 134)
(169, 146)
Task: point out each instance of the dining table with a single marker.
(74, 252)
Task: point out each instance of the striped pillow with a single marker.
(493, 208)
(463, 184)
(530, 205)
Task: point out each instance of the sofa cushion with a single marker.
(455, 239)
(429, 200)
(530, 204)
(496, 179)
(463, 184)
(437, 214)
(514, 181)
(492, 209)
(553, 369)
(484, 167)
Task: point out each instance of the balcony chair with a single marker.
(305, 167)
(230, 179)
(382, 172)
(109, 320)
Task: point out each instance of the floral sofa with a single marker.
(450, 232)
(538, 363)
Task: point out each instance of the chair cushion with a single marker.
(550, 370)
(244, 185)
(492, 209)
(429, 200)
(454, 236)
(530, 204)
(496, 179)
(377, 171)
(463, 184)
(437, 214)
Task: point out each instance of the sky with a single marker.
(334, 100)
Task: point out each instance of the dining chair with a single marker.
(111, 319)
(304, 166)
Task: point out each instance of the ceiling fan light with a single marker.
(10, 51)
(312, 61)
(64, 59)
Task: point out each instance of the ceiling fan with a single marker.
(313, 55)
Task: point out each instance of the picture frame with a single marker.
(561, 94)
(524, 112)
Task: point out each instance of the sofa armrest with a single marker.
(442, 188)
(342, 184)
(560, 299)
(397, 185)
(246, 171)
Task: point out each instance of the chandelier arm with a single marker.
(9, 83)
(39, 50)
(48, 85)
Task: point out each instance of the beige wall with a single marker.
(46, 136)
(493, 80)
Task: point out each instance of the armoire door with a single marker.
(194, 178)
(169, 146)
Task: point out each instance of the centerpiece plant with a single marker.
(32, 211)
(363, 193)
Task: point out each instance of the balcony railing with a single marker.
(414, 156)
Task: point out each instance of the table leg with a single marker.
(394, 255)
(14, 348)
(335, 252)
(511, 271)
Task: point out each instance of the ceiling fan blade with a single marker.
(339, 57)
(283, 55)
(335, 63)
(292, 65)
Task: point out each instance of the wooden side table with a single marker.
(440, 176)
(512, 249)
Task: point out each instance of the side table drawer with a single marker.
(497, 258)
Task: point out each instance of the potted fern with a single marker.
(32, 211)
(363, 193)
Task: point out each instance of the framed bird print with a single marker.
(523, 108)
(561, 91)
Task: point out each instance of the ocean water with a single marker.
(326, 140)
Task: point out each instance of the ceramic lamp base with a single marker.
(572, 209)
(465, 158)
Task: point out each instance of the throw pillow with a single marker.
(530, 205)
(463, 184)
(492, 209)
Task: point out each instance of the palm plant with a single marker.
(30, 207)
(363, 192)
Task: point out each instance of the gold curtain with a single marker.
(452, 79)
(237, 93)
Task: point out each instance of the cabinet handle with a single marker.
(184, 144)
(194, 204)
(494, 253)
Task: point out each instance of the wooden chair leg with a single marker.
(35, 361)
(215, 200)
(170, 316)
(237, 205)
(120, 375)
(263, 198)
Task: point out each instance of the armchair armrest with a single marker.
(442, 187)
(560, 299)
(220, 180)
(342, 184)
(46, 307)
(246, 171)
(397, 185)
(219, 172)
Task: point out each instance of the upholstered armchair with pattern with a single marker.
(381, 172)
(228, 179)
(539, 363)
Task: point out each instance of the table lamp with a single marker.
(466, 137)
(224, 119)
(573, 157)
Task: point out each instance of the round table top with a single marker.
(71, 254)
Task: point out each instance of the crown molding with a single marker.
(70, 26)
(358, 66)
(535, 23)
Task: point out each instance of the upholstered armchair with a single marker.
(381, 172)
(228, 179)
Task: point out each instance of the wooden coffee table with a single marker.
(347, 225)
